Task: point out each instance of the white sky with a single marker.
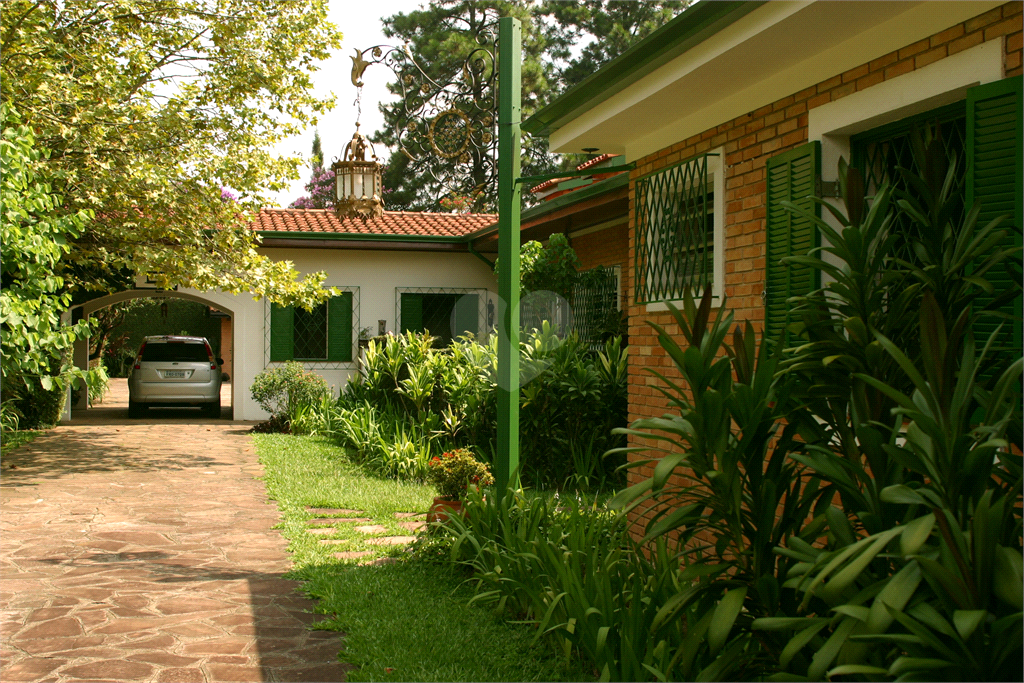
(360, 22)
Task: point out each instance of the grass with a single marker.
(406, 621)
(12, 440)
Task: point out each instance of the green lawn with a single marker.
(407, 621)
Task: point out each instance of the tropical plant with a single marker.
(571, 400)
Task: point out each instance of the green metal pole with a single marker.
(509, 110)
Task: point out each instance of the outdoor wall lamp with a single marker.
(357, 181)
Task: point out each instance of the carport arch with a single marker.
(218, 300)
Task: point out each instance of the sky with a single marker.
(360, 22)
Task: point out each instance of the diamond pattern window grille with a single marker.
(675, 230)
(311, 333)
(879, 152)
(594, 303)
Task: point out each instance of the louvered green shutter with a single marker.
(791, 176)
(282, 333)
(467, 314)
(339, 328)
(412, 312)
(995, 178)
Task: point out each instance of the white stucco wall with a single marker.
(377, 274)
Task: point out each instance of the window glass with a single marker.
(175, 352)
(311, 333)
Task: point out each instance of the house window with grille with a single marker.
(310, 333)
(596, 305)
(445, 313)
(880, 152)
(679, 238)
(323, 334)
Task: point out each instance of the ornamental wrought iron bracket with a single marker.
(450, 115)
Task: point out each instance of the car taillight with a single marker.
(138, 359)
(209, 354)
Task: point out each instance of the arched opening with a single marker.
(219, 307)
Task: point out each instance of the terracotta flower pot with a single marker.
(442, 507)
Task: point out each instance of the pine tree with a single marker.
(441, 36)
(318, 153)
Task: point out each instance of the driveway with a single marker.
(144, 550)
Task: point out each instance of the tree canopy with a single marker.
(151, 116)
(441, 36)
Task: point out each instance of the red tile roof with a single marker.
(410, 223)
(582, 167)
(595, 161)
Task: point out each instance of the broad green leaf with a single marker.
(724, 617)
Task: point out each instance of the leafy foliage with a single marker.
(847, 507)
(148, 111)
(280, 390)
(415, 402)
(454, 471)
(34, 235)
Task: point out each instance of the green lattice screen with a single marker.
(675, 230)
(594, 303)
(311, 333)
(880, 151)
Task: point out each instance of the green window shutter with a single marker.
(412, 312)
(791, 177)
(995, 178)
(339, 328)
(467, 314)
(282, 319)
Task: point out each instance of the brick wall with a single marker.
(749, 141)
(608, 247)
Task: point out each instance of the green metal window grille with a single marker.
(310, 333)
(321, 339)
(675, 230)
(880, 151)
(444, 312)
(595, 304)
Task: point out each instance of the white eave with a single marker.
(777, 50)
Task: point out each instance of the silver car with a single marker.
(175, 371)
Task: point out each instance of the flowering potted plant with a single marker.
(452, 473)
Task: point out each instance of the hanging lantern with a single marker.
(358, 181)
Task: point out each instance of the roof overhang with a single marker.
(753, 58)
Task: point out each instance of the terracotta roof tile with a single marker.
(411, 223)
(582, 167)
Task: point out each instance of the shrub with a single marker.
(452, 473)
(571, 400)
(281, 390)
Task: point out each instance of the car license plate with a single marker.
(174, 373)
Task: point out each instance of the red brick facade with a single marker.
(749, 141)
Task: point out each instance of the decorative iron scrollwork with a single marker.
(452, 117)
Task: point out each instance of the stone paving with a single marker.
(144, 550)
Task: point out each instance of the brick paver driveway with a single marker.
(143, 550)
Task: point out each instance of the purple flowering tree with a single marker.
(320, 189)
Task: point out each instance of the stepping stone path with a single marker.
(353, 554)
(392, 540)
(144, 550)
(372, 529)
(412, 526)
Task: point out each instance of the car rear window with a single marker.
(176, 352)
